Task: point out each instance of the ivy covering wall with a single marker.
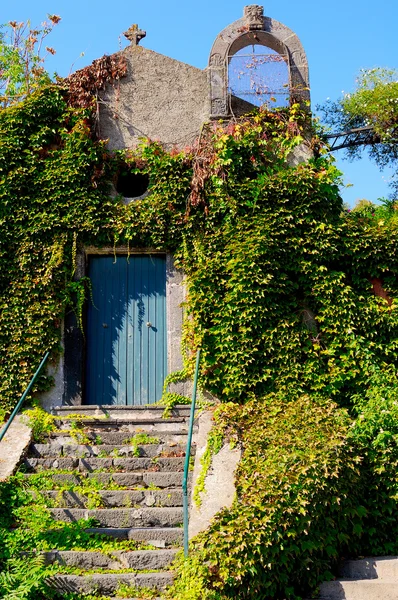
(290, 297)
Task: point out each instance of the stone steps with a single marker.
(105, 450)
(119, 438)
(91, 464)
(382, 567)
(140, 560)
(85, 451)
(118, 498)
(108, 583)
(121, 468)
(126, 479)
(111, 411)
(122, 517)
(127, 425)
(364, 579)
(361, 589)
(160, 537)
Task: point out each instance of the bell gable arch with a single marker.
(255, 28)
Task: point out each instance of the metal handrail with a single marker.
(188, 456)
(21, 401)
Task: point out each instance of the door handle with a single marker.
(149, 324)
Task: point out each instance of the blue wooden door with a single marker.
(126, 359)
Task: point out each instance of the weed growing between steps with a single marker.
(88, 490)
(40, 422)
(74, 596)
(127, 591)
(140, 439)
(124, 591)
(291, 299)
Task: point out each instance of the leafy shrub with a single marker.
(298, 503)
(376, 433)
(25, 579)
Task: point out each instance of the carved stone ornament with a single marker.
(218, 106)
(134, 34)
(216, 60)
(300, 58)
(254, 15)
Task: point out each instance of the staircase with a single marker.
(365, 579)
(122, 467)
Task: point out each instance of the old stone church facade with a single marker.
(133, 336)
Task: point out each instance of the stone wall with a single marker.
(219, 487)
(160, 98)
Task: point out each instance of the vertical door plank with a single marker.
(131, 350)
(161, 326)
(138, 323)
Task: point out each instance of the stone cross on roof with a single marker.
(134, 34)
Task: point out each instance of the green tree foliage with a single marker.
(22, 57)
(373, 103)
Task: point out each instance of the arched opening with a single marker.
(259, 75)
(274, 70)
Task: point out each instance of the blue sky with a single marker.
(339, 37)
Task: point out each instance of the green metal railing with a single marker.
(26, 392)
(188, 455)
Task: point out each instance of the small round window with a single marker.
(259, 75)
(132, 185)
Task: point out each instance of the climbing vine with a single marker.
(290, 297)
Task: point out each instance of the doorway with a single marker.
(126, 345)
